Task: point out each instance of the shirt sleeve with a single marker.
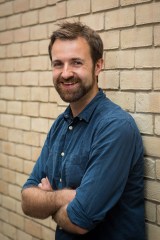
(103, 183)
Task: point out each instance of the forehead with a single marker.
(72, 48)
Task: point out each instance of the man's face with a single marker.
(74, 76)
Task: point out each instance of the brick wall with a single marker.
(29, 104)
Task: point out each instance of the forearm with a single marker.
(63, 221)
(42, 204)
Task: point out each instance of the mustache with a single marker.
(73, 79)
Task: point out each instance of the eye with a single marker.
(57, 64)
(77, 63)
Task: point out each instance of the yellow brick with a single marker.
(45, 79)
(149, 167)
(148, 13)
(14, 78)
(3, 79)
(156, 79)
(39, 94)
(8, 175)
(144, 122)
(39, 63)
(38, 32)
(29, 18)
(3, 187)
(21, 35)
(76, 9)
(14, 21)
(22, 235)
(21, 179)
(22, 64)
(8, 148)
(3, 133)
(28, 166)
(14, 191)
(47, 14)
(3, 24)
(4, 214)
(124, 99)
(6, 37)
(152, 190)
(119, 59)
(9, 203)
(22, 93)
(157, 125)
(9, 230)
(3, 106)
(33, 228)
(23, 151)
(148, 102)
(129, 2)
(43, 47)
(38, 4)
(103, 4)
(151, 146)
(95, 21)
(35, 153)
(2, 51)
(110, 39)
(20, 6)
(61, 10)
(150, 211)
(30, 78)
(158, 214)
(119, 18)
(15, 163)
(54, 97)
(158, 169)
(30, 48)
(6, 9)
(136, 37)
(15, 135)
(136, 80)
(7, 120)
(147, 58)
(14, 50)
(14, 107)
(40, 125)
(7, 65)
(153, 232)
(16, 220)
(31, 109)
(157, 35)
(48, 110)
(109, 80)
(31, 138)
(22, 122)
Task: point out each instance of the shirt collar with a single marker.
(88, 110)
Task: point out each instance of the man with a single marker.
(89, 176)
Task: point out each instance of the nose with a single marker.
(67, 72)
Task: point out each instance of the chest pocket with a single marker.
(74, 169)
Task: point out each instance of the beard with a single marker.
(76, 92)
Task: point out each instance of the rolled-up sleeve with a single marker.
(103, 183)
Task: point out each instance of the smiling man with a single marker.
(89, 175)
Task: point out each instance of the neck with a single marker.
(77, 107)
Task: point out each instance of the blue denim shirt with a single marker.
(100, 154)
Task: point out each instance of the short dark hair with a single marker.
(71, 31)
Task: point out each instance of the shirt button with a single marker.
(70, 127)
(60, 179)
(62, 154)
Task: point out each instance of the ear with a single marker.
(98, 66)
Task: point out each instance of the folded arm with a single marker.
(42, 202)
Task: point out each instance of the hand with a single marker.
(45, 185)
